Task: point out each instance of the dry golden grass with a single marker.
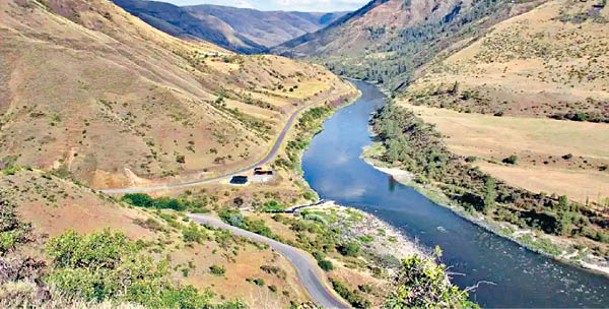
(539, 144)
(96, 92)
(551, 60)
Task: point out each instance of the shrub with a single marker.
(352, 296)
(108, 266)
(326, 265)
(217, 270)
(146, 201)
(568, 156)
(272, 206)
(194, 233)
(471, 159)
(513, 160)
(365, 288)
(349, 249)
(259, 282)
(422, 283)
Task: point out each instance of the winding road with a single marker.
(270, 155)
(306, 267)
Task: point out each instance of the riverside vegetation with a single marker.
(411, 144)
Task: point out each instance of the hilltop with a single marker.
(241, 30)
(96, 94)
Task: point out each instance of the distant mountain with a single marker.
(177, 21)
(267, 28)
(388, 40)
(241, 30)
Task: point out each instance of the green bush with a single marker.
(513, 160)
(272, 206)
(108, 266)
(352, 296)
(259, 282)
(423, 283)
(146, 201)
(236, 219)
(326, 265)
(217, 270)
(349, 249)
(194, 233)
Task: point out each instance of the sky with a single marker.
(282, 5)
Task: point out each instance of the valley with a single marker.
(420, 153)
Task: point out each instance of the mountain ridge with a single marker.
(238, 29)
(386, 41)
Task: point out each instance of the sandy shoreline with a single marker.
(590, 263)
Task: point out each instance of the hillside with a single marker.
(241, 30)
(177, 21)
(38, 207)
(94, 93)
(267, 28)
(547, 73)
(387, 41)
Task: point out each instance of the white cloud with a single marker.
(283, 5)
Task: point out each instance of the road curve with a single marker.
(307, 270)
(265, 160)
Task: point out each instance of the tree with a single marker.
(490, 195)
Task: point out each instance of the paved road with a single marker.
(306, 267)
(265, 160)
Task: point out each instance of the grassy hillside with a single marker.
(95, 93)
(387, 41)
(551, 63)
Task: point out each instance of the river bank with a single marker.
(551, 246)
(377, 236)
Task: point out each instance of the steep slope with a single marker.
(44, 206)
(179, 22)
(242, 30)
(93, 92)
(552, 62)
(267, 28)
(387, 40)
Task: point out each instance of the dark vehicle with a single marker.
(238, 180)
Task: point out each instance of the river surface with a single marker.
(333, 168)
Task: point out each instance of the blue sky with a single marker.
(283, 5)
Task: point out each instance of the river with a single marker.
(333, 168)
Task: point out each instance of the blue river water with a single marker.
(521, 279)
